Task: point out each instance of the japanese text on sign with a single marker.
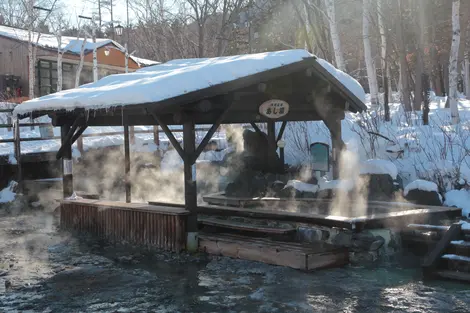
(274, 108)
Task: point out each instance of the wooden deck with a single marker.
(290, 254)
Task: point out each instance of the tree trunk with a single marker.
(201, 41)
(371, 73)
(467, 76)
(95, 56)
(60, 54)
(383, 53)
(30, 49)
(330, 9)
(420, 67)
(80, 64)
(405, 88)
(453, 62)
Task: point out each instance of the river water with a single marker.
(46, 270)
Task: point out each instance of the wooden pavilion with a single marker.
(300, 89)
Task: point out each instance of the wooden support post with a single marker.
(17, 138)
(156, 138)
(271, 128)
(337, 146)
(190, 191)
(127, 160)
(67, 172)
(132, 133)
(279, 137)
(80, 145)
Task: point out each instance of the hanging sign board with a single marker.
(274, 108)
(320, 156)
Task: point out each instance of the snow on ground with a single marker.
(7, 194)
(459, 199)
(164, 81)
(420, 184)
(379, 167)
(301, 186)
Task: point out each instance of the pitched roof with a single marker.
(69, 44)
(181, 78)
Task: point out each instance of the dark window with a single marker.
(47, 73)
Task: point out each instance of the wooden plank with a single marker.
(319, 219)
(271, 252)
(328, 259)
(317, 247)
(464, 277)
(431, 262)
(245, 227)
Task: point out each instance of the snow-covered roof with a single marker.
(168, 80)
(68, 43)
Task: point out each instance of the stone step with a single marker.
(239, 226)
(295, 255)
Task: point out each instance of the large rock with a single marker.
(381, 187)
(424, 197)
(423, 192)
(247, 184)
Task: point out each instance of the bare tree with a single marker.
(383, 55)
(405, 91)
(370, 66)
(202, 10)
(453, 67)
(330, 9)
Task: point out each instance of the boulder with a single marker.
(381, 187)
(423, 192)
(423, 197)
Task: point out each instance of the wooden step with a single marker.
(246, 227)
(290, 254)
(457, 262)
(460, 247)
(465, 277)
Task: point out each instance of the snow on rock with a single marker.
(8, 194)
(420, 184)
(374, 166)
(348, 81)
(465, 225)
(301, 186)
(459, 199)
(346, 185)
(164, 81)
(460, 243)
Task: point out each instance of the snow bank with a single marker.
(7, 194)
(164, 81)
(301, 186)
(420, 184)
(379, 167)
(348, 81)
(459, 199)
